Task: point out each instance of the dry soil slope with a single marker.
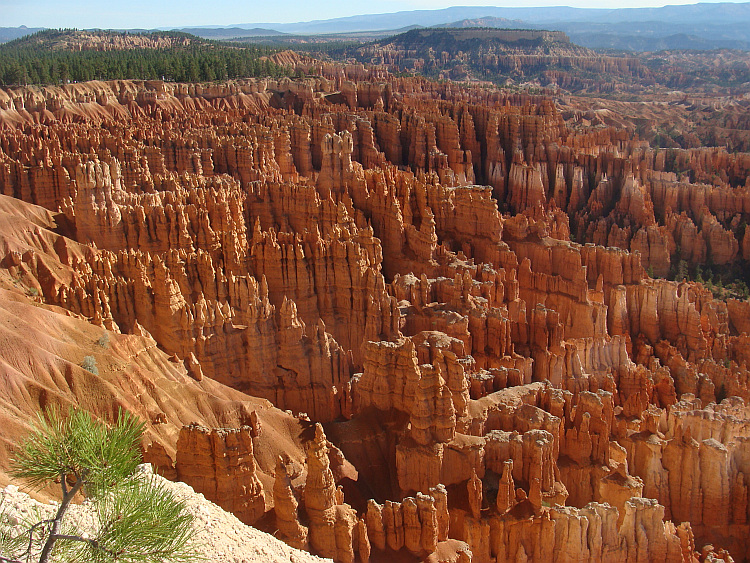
(42, 348)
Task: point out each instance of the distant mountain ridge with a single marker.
(11, 33)
(702, 13)
(486, 54)
(230, 32)
(488, 21)
(634, 36)
(695, 26)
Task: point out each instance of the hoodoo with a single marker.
(445, 304)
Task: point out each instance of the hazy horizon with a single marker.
(144, 14)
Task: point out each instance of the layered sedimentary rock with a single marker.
(285, 506)
(333, 529)
(121, 371)
(455, 283)
(694, 463)
(219, 463)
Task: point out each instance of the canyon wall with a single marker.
(459, 299)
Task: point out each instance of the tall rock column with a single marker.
(285, 506)
(320, 496)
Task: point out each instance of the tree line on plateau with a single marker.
(25, 61)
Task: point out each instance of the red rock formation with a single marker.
(697, 467)
(219, 463)
(320, 502)
(322, 244)
(285, 508)
(331, 529)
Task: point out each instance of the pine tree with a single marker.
(137, 520)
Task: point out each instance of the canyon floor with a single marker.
(387, 318)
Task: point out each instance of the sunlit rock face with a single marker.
(447, 286)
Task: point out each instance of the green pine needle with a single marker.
(138, 518)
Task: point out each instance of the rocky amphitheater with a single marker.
(383, 318)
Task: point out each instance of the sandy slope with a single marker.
(220, 536)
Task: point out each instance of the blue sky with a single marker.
(182, 13)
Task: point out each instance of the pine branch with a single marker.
(63, 484)
(139, 520)
(31, 535)
(92, 542)
(50, 543)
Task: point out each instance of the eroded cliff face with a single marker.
(54, 358)
(219, 463)
(395, 260)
